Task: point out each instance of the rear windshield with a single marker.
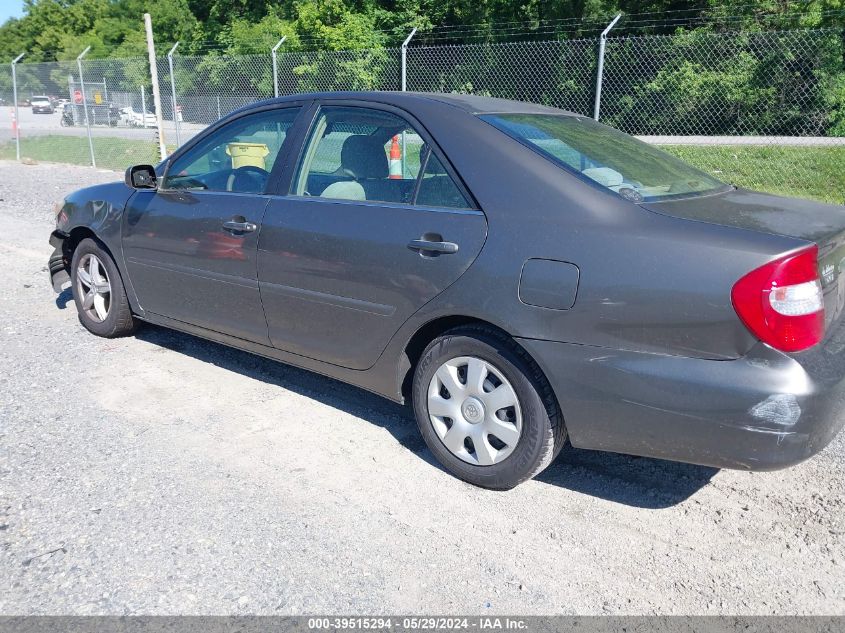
(633, 169)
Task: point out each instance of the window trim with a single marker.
(301, 105)
(378, 203)
(414, 123)
(308, 153)
(421, 174)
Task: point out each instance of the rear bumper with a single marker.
(56, 265)
(765, 411)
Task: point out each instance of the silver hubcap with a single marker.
(93, 287)
(474, 410)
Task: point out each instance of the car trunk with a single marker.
(822, 224)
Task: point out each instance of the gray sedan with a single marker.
(521, 275)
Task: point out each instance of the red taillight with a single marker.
(781, 302)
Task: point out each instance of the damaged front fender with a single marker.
(93, 211)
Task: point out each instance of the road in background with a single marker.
(47, 124)
(32, 125)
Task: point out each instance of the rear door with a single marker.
(190, 247)
(376, 224)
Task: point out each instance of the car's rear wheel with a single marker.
(485, 409)
(99, 293)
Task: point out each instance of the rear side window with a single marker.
(364, 154)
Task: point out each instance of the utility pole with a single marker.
(151, 53)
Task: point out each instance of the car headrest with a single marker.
(363, 157)
(604, 176)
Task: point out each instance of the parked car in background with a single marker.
(520, 274)
(132, 118)
(41, 105)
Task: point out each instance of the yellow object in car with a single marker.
(245, 154)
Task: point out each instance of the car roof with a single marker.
(474, 104)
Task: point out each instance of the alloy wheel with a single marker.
(93, 287)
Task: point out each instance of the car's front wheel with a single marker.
(485, 409)
(99, 293)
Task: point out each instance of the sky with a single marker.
(10, 9)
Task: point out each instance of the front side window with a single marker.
(633, 169)
(370, 155)
(238, 157)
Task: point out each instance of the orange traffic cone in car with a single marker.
(395, 159)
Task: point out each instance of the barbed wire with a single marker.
(568, 28)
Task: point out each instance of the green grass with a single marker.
(111, 152)
(803, 172)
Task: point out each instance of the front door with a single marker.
(190, 247)
(374, 227)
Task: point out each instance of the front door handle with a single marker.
(238, 224)
(432, 246)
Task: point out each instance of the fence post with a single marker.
(600, 68)
(275, 68)
(15, 97)
(405, 59)
(85, 104)
(173, 92)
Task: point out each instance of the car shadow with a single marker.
(63, 298)
(634, 481)
(640, 482)
(393, 417)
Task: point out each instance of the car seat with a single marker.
(362, 158)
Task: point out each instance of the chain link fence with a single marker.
(764, 110)
(95, 118)
(559, 73)
(368, 69)
(206, 88)
(123, 137)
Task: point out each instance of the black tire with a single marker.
(543, 432)
(119, 320)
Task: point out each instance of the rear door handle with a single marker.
(433, 247)
(239, 226)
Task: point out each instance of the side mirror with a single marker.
(141, 177)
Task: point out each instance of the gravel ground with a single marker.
(162, 474)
